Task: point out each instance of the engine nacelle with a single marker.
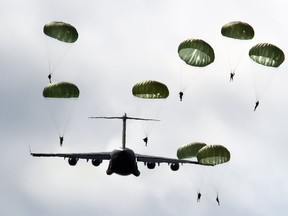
(151, 165)
(72, 161)
(174, 166)
(96, 162)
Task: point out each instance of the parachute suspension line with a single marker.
(65, 124)
(229, 60)
(196, 188)
(71, 113)
(149, 108)
(255, 87)
(233, 69)
(188, 78)
(198, 181)
(61, 58)
(259, 92)
(181, 84)
(267, 86)
(256, 90)
(139, 107)
(57, 63)
(233, 63)
(155, 107)
(53, 65)
(184, 83)
(218, 179)
(61, 122)
(53, 118)
(145, 130)
(49, 60)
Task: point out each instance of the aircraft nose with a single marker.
(136, 173)
(109, 172)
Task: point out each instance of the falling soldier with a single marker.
(145, 140)
(217, 200)
(256, 105)
(61, 140)
(232, 74)
(198, 196)
(49, 77)
(181, 95)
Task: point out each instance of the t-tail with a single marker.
(124, 119)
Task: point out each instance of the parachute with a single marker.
(150, 95)
(213, 155)
(189, 150)
(238, 30)
(61, 90)
(61, 31)
(60, 37)
(267, 54)
(61, 98)
(236, 39)
(150, 89)
(265, 58)
(196, 52)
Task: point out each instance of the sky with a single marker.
(121, 43)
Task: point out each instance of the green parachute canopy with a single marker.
(196, 52)
(150, 89)
(61, 90)
(213, 155)
(189, 150)
(61, 31)
(238, 30)
(267, 54)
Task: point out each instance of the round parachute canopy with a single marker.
(61, 31)
(267, 54)
(61, 90)
(150, 89)
(189, 150)
(196, 52)
(213, 155)
(238, 30)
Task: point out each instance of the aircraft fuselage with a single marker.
(123, 162)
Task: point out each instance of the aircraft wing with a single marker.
(156, 159)
(87, 156)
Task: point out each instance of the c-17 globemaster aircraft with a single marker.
(123, 161)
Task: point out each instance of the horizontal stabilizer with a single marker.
(124, 117)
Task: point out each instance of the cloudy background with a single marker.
(121, 43)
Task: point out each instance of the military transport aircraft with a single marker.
(123, 161)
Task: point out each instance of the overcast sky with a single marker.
(121, 43)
